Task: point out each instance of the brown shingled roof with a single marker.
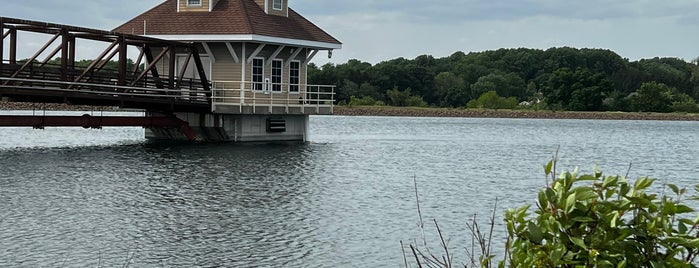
(228, 17)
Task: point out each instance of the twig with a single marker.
(555, 163)
(492, 229)
(628, 170)
(421, 222)
(65, 260)
(405, 257)
(447, 261)
(417, 258)
(128, 260)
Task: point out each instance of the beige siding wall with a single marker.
(261, 3)
(225, 68)
(282, 12)
(163, 66)
(269, 7)
(184, 8)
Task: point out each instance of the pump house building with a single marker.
(255, 54)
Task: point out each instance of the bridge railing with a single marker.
(104, 81)
(304, 98)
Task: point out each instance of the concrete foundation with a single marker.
(238, 128)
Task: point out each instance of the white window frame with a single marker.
(276, 80)
(274, 4)
(257, 85)
(201, 3)
(295, 88)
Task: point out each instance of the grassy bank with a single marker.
(485, 113)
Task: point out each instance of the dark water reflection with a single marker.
(168, 204)
(346, 200)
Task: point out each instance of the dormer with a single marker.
(196, 5)
(274, 7)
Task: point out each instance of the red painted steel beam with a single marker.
(13, 46)
(123, 58)
(2, 44)
(97, 122)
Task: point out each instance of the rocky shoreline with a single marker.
(411, 112)
(484, 113)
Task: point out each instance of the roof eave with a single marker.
(250, 38)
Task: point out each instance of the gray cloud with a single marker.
(103, 14)
(445, 11)
(374, 30)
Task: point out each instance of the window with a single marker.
(277, 4)
(294, 76)
(277, 75)
(196, 3)
(258, 73)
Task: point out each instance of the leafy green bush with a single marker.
(365, 101)
(491, 100)
(584, 221)
(684, 104)
(685, 107)
(605, 222)
(416, 101)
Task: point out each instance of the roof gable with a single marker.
(228, 17)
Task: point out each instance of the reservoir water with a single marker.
(87, 198)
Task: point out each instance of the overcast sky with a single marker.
(377, 30)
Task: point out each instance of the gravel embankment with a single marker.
(5, 105)
(412, 112)
(484, 113)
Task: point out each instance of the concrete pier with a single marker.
(238, 128)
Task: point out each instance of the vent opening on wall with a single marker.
(276, 125)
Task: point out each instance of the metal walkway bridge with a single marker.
(52, 75)
(41, 78)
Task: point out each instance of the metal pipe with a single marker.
(97, 122)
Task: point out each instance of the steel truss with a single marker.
(142, 86)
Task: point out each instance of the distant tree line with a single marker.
(558, 78)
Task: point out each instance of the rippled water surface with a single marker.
(76, 198)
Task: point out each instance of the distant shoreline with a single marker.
(411, 112)
(485, 113)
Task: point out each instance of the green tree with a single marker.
(579, 90)
(491, 100)
(563, 78)
(451, 89)
(652, 97)
(506, 85)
